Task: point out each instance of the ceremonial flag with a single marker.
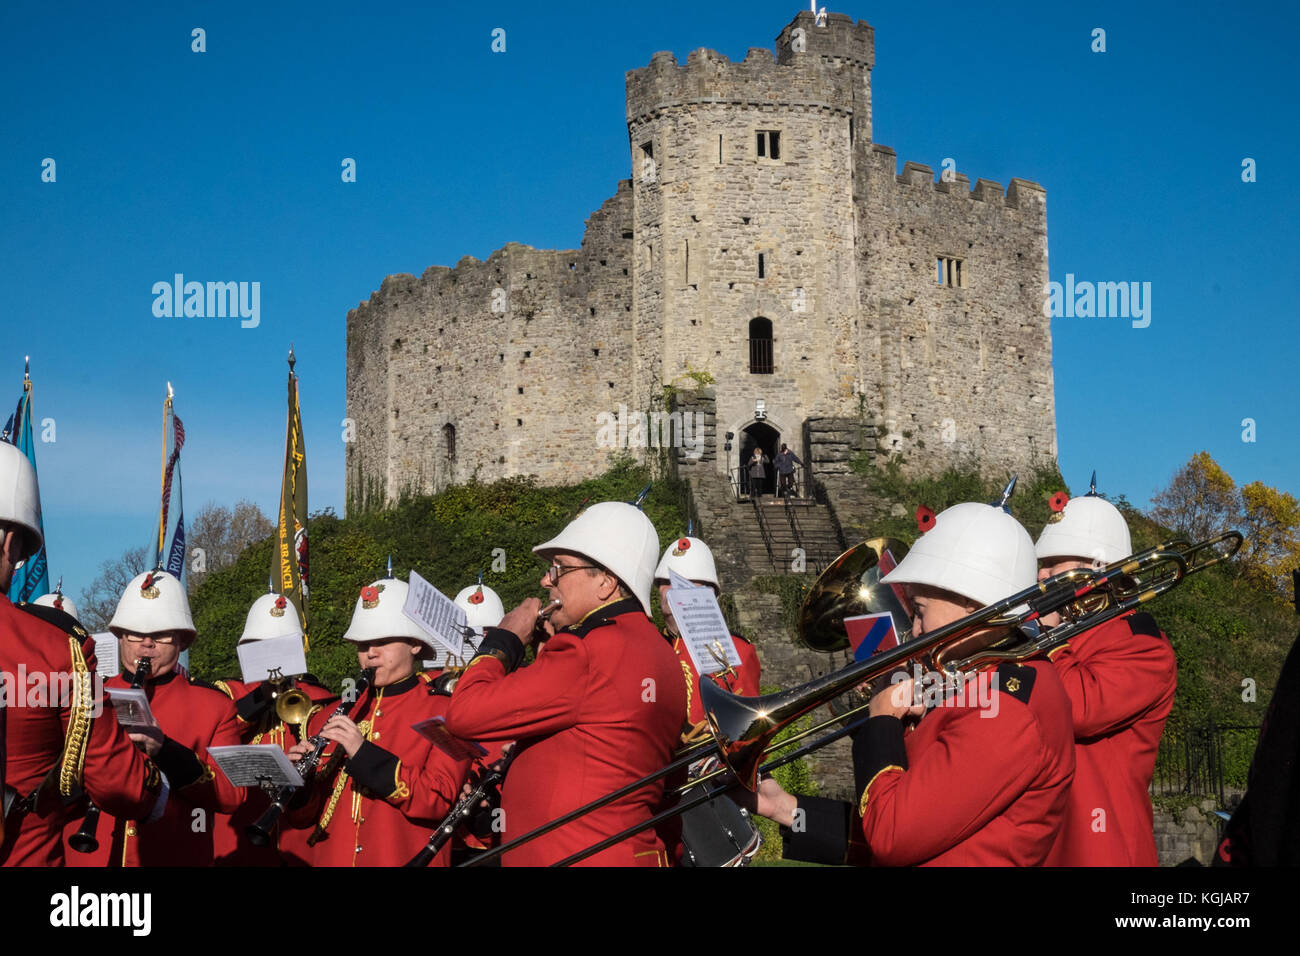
(169, 542)
(32, 579)
(870, 633)
(289, 559)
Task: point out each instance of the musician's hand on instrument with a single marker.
(522, 621)
(148, 739)
(344, 732)
(772, 801)
(298, 751)
(896, 700)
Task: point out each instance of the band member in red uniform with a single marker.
(271, 616)
(1120, 678)
(982, 778)
(691, 558)
(602, 705)
(395, 786)
(153, 621)
(482, 831)
(56, 743)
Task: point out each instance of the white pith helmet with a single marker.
(55, 599)
(378, 615)
(20, 497)
(617, 536)
(153, 602)
(482, 606)
(1089, 527)
(272, 615)
(691, 558)
(978, 551)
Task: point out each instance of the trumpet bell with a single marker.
(851, 587)
(293, 706)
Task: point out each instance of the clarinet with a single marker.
(460, 812)
(259, 833)
(84, 840)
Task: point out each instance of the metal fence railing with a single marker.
(1204, 760)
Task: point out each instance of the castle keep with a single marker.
(764, 240)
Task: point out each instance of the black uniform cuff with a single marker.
(820, 833)
(374, 768)
(181, 765)
(503, 645)
(878, 745)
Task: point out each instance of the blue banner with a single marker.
(33, 578)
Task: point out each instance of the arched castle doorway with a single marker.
(764, 436)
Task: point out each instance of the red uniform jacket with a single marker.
(1120, 678)
(602, 706)
(381, 806)
(973, 789)
(193, 716)
(743, 680)
(36, 726)
(258, 724)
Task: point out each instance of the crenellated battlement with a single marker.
(822, 67)
(839, 39)
(1023, 194)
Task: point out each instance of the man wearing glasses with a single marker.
(153, 622)
(601, 706)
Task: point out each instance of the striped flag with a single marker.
(289, 560)
(33, 578)
(169, 542)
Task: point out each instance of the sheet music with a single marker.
(258, 658)
(253, 765)
(437, 614)
(702, 626)
(677, 581)
(107, 663)
(132, 707)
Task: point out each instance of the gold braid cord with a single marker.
(74, 747)
(339, 783)
(694, 732)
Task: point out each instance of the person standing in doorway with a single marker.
(785, 462)
(758, 472)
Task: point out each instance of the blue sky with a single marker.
(225, 165)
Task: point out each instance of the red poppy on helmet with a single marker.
(924, 519)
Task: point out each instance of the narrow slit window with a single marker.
(762, 266)
(760, 346)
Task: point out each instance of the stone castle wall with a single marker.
(516, 354)
(959, 372)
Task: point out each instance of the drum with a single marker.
(718, 833)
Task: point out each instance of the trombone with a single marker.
(744, 728)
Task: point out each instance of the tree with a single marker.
(1201, 500)
(98, 602)
(218, 535)
(1271, 522)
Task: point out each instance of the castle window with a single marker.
(768, 144)
(449, 441)
(760, 346)
(949, 272)
(719, 149)
(648, 162)
(762, 266)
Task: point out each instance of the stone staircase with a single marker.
(788, 536)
